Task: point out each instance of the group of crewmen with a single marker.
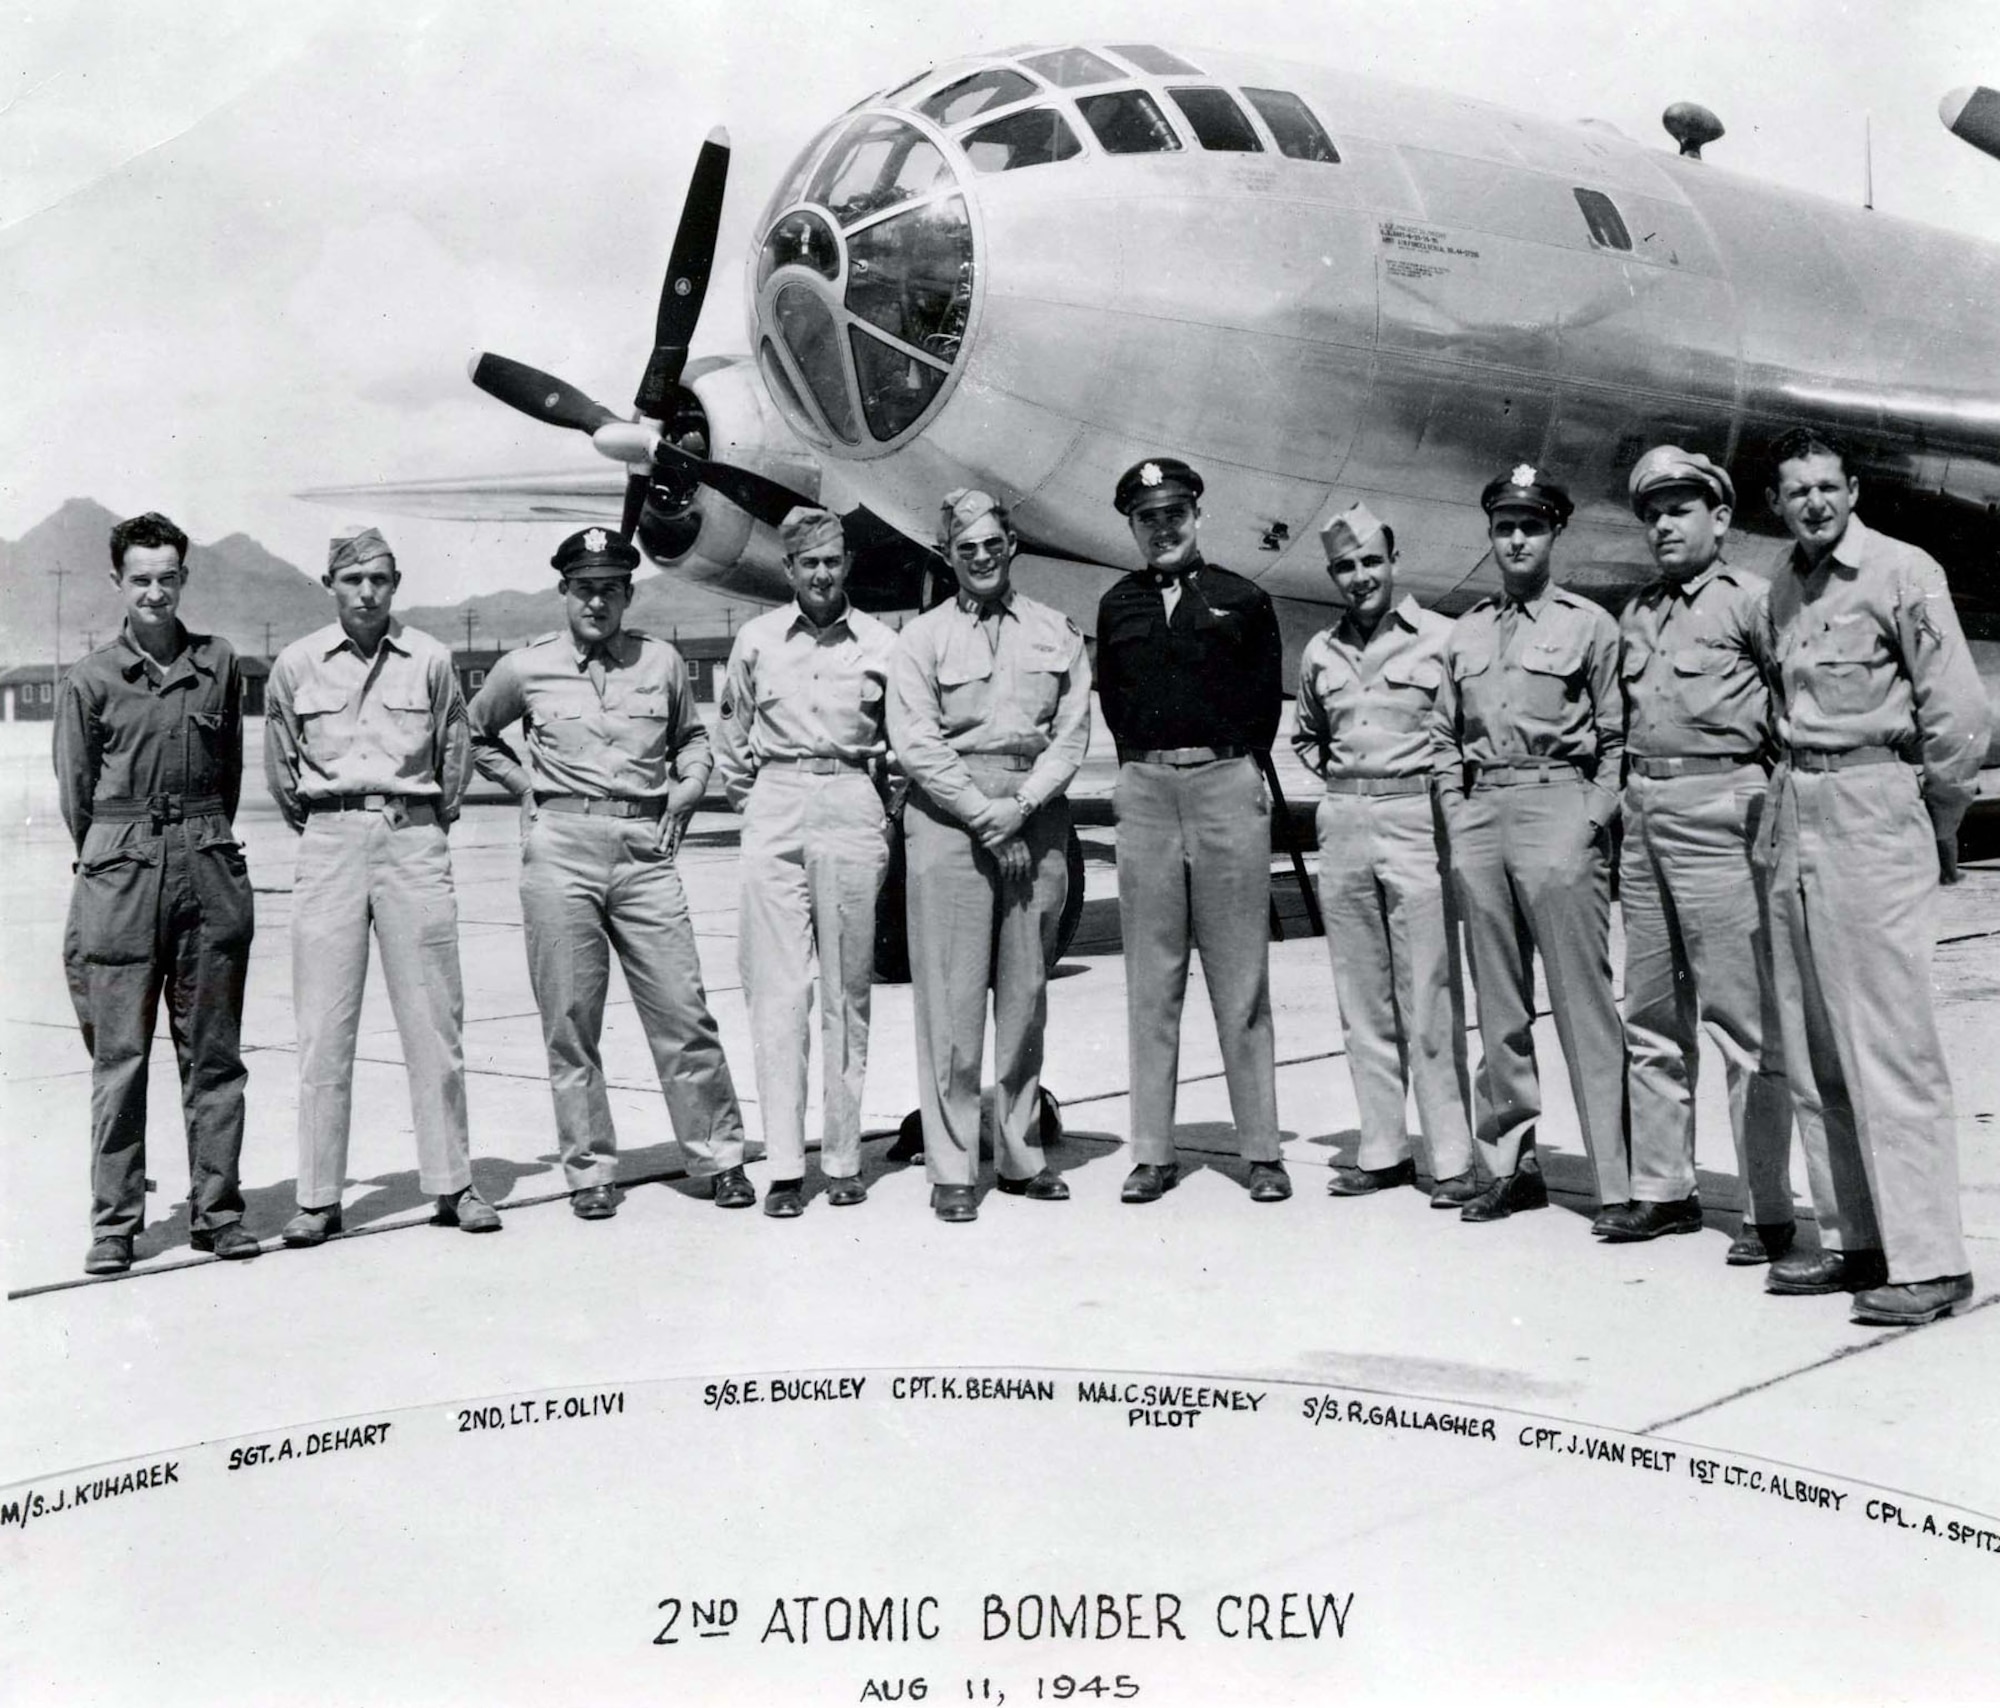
(1791, 761)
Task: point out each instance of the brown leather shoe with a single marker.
(955, 1203)
(1150, 1181)
(1905, 1304)
(467, 1210)
(1350, 1180)
(311, 1227)
(850, 1190)
(1524, 1189)
(1760, 1242)
(1644, 1221)
(733, 1190)
(1803, 1273)
(1455, 1192)
(230, 1242)
(1269, 1183)
(594, 1203)
(111, 1255)
(1048, 1187)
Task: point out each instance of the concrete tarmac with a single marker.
(1379, 1296)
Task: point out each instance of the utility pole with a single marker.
(60, 571)
(267, 641)
(470, 619)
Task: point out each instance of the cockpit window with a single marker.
(802, 240)
(806, 325)
(1607, 225)
(1217, 121)
(1299, 135)
(876, 164)
(896, 388)
(971, 96)
(912, 276)
(1073, 67)
(1034, 137)
(1128, 122)
(1156, 60)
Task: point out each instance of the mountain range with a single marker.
(256, 599)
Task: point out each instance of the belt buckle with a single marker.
(164, 809)
(395, 812)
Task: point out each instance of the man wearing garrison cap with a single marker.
(799, 740)
(366, 754)
(1527, 737)
(1189, 678)
(1697, 670)
(1367, 686)
(617, 759)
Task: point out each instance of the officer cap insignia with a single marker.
(1154, 475)
(1149, 474)
(593, 539)
(1525, 487)
(1523, 474)
(595, 550)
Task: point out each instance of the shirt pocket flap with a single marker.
(1421, 674)
(957, 672)
(1850, 640)
(315, 699)
(1633, 661)
(406, 697)
(651, 703)
(1700, 661)
(1473, 660)
(1558, 655)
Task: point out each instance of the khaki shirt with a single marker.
(1365, 708)
(631, 740)
(797, 691)
(1551, 692)
(336, 723)
(1697, 667)
(957, 689)
(1870, 653)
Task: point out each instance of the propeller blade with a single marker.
(535, 393)
(687, 275)
(637, 484)
(766, 499)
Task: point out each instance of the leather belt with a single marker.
(1526, 771)
(1339, 785)
(603, 806)
(1817, 759)
(820, 765)
(1000, 761)
(1179, 755)
(1658, 765)
(158, 809)
(411, 809)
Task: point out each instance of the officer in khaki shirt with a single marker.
(989, 714)
(617, 759)
(1697, 672)
(1527, 737)
(366, 754)
(798, 742)
(1883, 725)
(1366, 690)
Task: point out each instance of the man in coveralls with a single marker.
(617, 761)
(800, 733)
(1366, 690)
(989, 714)
(1527, 737)
(1696, 668)
(1189, 675)
(149, 760)
(366, 754)
(1883, 724)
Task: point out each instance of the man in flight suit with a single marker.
(1189, 675)
(800, 731)
(989, 713)
(1366, 690)
(1883, 726)
(149, 760)
(617, 762)
(1696, 667)
(366, 754)
(1527, 737)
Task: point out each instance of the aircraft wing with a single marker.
(584, 495)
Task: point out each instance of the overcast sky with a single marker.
(245, 248)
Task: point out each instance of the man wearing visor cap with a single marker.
(366, 753)
(1697, 670)
(617, 760)
(799, 742)
(1527, 737)
(1367, 686)
(989, 714)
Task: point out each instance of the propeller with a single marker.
(664, 476)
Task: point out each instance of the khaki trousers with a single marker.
(590, 885)
(1194, 869)
(1854, 903)
(1698, 955)
(357, 872)
(1532, 878)
(814, 849)
(1392, 934)
(971, 932)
